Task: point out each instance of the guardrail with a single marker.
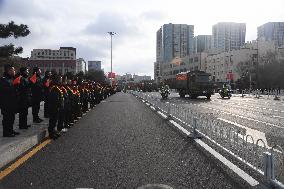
(269, 162)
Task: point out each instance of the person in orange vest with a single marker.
(8, 103)
(46, 83)
(72, 105)
(37, 93)
(63, 124)
(56, 102)
(23, 96)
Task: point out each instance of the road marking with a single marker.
(249, 131)
(278, 117)
(251, 119)
(152, 107)
(163, 115)
(23, 159)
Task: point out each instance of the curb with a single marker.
(20, 148)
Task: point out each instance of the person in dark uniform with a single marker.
(72, 96)
(63, 123)
(56, 101)
(8, 103)
(23, 96)
(37, 93)
(46, 82)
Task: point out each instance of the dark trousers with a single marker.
(53, 118)
(61, 117)
(23, 113)
(35, 109)
(8, 122)
(45, 109)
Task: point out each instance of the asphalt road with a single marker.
(262, 118)
(119, 144)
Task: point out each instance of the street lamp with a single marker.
(111, 34)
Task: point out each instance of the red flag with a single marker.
(33, 78)
(111, 75)
(17, 81)
(46, 84)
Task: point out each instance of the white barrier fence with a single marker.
(267, 161)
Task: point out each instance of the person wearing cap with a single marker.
(46, 83)
(8, 103)
(23, 96)
(37, 93)
(56, 103)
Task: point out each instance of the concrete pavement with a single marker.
(11, 148)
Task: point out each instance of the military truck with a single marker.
(194, 84)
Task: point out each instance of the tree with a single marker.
(95, 75)
(9, 30)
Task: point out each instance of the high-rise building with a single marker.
(228, 36)
(202, 43)
(174, 40)
(95, 65)
(272, 31)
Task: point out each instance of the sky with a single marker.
(84, 24)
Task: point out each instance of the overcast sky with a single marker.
(83, 24)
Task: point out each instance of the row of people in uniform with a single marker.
(64, 99)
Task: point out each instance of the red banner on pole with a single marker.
(230, 76)
(111, 75)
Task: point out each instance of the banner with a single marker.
(111, 75)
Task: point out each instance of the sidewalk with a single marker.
(11, 148)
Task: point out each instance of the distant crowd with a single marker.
(65, 99)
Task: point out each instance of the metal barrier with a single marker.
(269, 162)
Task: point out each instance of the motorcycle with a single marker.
(164, 93)
(225, 93)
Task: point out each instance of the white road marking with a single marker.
(152, 107)
(278, 117)
(249, 131)
(251, 119)
(163, 115)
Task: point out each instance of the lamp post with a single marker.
(111, 34)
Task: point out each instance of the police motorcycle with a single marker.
(165, 92)
(225, 92)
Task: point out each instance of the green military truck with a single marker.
(194, 84)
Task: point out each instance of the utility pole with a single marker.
(111, 34)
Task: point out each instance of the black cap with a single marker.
(35, 69)
(7, 67)
(23, 69)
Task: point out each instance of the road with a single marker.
(261, 118)
(119, 144)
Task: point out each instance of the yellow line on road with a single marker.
(20, 161)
